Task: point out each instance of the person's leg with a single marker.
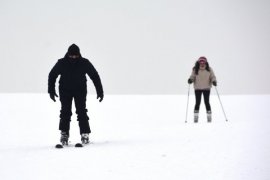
(206, 96)
(83, 119)
(198, 96)
(65, 113)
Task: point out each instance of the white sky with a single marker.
(138, 47)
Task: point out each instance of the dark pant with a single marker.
(206, 96)
(81, 111)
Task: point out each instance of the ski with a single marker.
(82, 144)
(59, 146)
(78, 145)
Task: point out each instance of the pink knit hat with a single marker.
(202, 59)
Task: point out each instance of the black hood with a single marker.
(73, 50)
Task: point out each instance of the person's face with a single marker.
(202, 65)
(73, 56)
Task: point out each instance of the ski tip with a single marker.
(58, 146)
(78, 145)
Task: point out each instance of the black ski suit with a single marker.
(72, 84)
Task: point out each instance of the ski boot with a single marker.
(209, 116)
(64, 138)
(196, 116)
(85, 138)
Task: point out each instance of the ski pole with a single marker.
(221, 104)
(187, 103)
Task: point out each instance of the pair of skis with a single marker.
(77, 145)
(65, 142)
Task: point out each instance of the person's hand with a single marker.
(53, 95)
(100, 97)
(215, 83)
(190, 81)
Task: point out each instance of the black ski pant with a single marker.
(206, 97)
(81, 111)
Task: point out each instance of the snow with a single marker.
(137, 137)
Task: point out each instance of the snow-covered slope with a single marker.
(137, 138)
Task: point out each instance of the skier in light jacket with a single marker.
(202, 78)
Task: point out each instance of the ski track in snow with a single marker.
(137, 137)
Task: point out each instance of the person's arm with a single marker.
(94, 76)
(192, 77)
(213, 78)
(51, 80)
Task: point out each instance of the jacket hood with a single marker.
(73, 50)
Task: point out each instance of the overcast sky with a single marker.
(139, 46)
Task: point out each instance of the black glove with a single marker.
(215, 83)
(100, 97)
(53, 95)
(190, 81)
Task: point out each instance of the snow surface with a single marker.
(137, 138)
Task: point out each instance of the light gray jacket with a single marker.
(204, 79)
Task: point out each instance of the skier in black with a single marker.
(72, 85)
